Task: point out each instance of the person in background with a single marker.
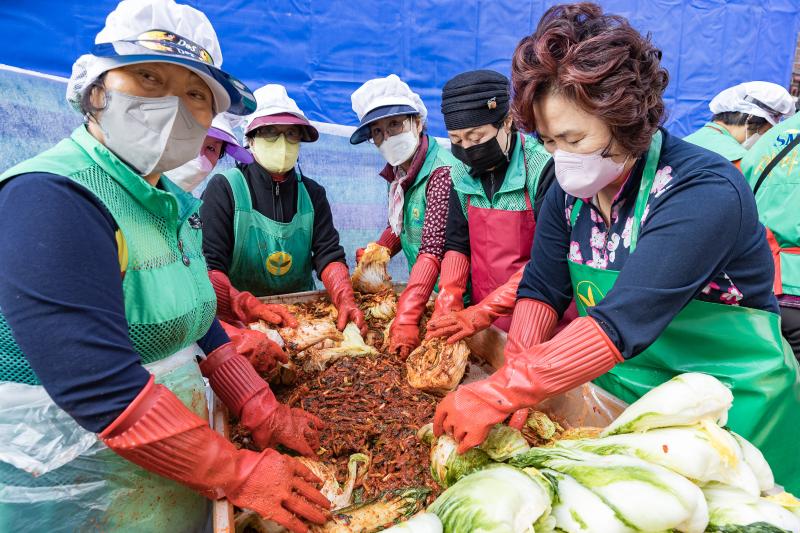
(392, 117)
(106, 308)
(742, 114)
(772, 168)
(267, 226)
(492, 214)
(657, 239)
(220, 141)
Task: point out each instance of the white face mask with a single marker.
(584, 175)
(191, 174)
(150, 134)
(399, 148)
(750, 140)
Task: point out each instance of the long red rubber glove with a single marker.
(533, 322)
(250, 399)
(158, 433)
(262, 352)
(580, 353)
(336, 278)
(388, 240)
(452, 284)
(404, 332)
(463, 324)
(241, 306)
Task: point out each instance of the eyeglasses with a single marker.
(395, 126)
(271, 133)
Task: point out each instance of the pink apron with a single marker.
(500, 244)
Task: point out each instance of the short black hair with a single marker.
(88, 109)
(736, 118)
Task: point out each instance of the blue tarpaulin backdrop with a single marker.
(322, 50)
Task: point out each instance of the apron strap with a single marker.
(777, 159)
(648, 178)
(241, 193)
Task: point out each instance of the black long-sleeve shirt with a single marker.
(276, 201)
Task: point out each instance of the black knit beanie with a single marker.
(475, 98)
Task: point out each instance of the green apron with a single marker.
(270, 257)
(741, 347)
(717, 139)
(54, 475)
(415, 200)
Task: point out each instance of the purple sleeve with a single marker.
(434, 227)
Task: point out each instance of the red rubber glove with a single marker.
(262, 352)
(336, 278)
(250, 399)
(580, 353)
(241, 306)
(404, 332)
(533, 323)
(452, 284)
(463, 324)
(388, 240)
(158, 433)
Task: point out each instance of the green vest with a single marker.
(415, 198)
(169, 304)
(524, 169)
(717, 139)
(270, 257)
(169, 300)
(778, 198)
(741, 347)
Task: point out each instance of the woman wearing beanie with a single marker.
(267, 226)
(657, 239)
(392, 117)
(492, 215)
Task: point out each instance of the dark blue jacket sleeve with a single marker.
(546, 277)
(61, 294)
(214, 338)
(684, 242)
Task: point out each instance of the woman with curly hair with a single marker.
(694, 297)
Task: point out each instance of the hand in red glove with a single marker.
(579, 353)
(158, 433)
(463, 324)
(235, 306)
(404, 331)
(452, 284)
(262, 352)
(388, 240)
(336, 279)
(249, 398)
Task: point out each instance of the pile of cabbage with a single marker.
(665, 464)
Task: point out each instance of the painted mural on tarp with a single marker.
(322, 50)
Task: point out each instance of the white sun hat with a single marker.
(384, 97)
(758, 98)
(143, 31)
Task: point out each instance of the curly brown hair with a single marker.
(597, 61)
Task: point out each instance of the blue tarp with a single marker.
(323, 50)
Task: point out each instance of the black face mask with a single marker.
(481, 157)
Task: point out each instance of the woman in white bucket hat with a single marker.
(106, 307)
(268, 226)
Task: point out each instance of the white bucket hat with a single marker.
(384, 97)
(758, 98)
(275, 106)
(142, 31)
